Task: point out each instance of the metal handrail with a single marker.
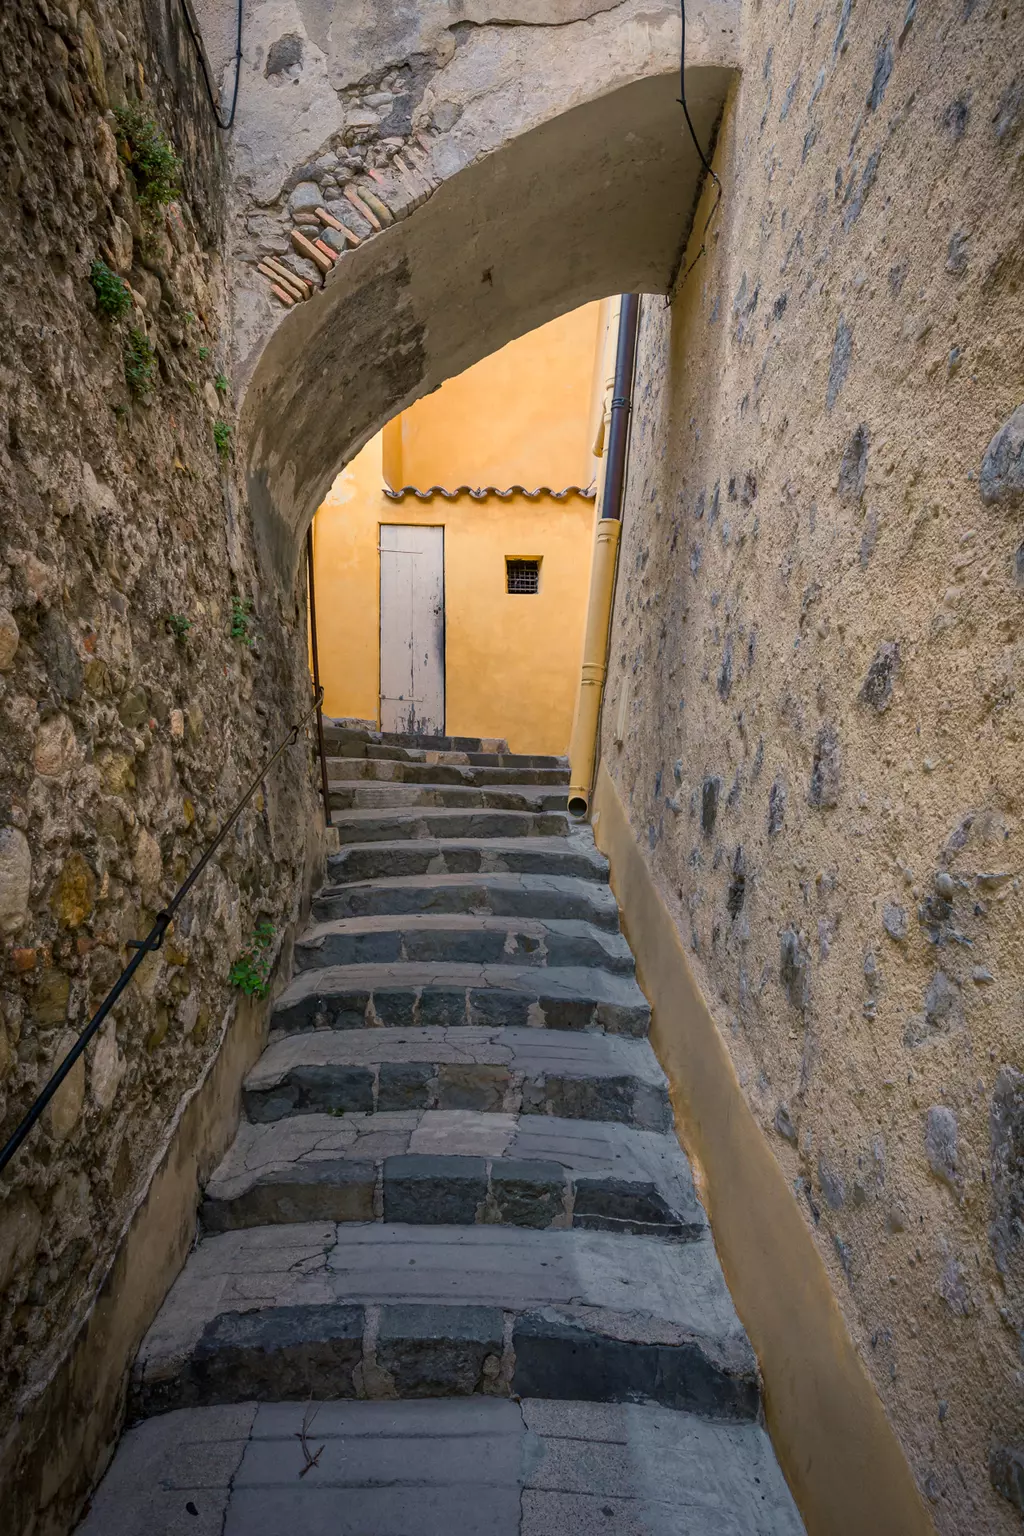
(153, 940)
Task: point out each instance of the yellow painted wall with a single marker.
(512, 663)
(519, 417)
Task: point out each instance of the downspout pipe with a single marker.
(583, 747)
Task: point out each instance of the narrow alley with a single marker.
(457, 1179)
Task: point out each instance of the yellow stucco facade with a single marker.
(525, 417)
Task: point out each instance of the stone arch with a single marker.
(544, 208)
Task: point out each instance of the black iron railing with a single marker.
(153, 940)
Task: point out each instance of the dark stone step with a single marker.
(511, 1071)
(390, 825)
(450, 1190)
(351, 735)
(495, 895)
(383, 771)
(449, 996)
(385, 1310)
(366, 795)
(462, 940)
(468, 856)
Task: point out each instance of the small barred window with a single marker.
(522, 576)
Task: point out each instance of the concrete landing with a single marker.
(472, 1467)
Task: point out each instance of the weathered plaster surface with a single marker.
(818, 630)
(594, 202)
(344, 100)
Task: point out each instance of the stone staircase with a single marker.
(456, 1180)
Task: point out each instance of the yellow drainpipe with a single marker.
(612, 442)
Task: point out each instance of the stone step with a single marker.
(468, 750)
(368, 794)
(547, 1072)
(404, 994)
(464, 939)
(493, 895)
(381, 770)
(454, 1167)
(475, 1466)
(351, 734)
(382, 1310)
(571, 855)
(400, 823)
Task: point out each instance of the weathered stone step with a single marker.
(477, 1466)
(571, 855)
(493, 895)
(404, 994)
(454, 1167)
(346, 1310)
(572, 1076)
(382, 770)
(464, 939)
(414, 822)
(367, 794)
(350, 734)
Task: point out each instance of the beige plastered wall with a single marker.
(816, 659)
(830, 1432)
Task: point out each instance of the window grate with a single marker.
(522, 577)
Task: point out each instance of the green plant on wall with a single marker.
(113, 296)
(222, 438)
(250, 973)
(139, 363)
(241, 621)
(221, 384)
(151, 155)
(179, 625)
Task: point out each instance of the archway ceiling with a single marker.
(598, 200)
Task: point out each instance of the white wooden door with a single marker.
(412, 629)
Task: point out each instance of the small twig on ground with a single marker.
(312, 1459)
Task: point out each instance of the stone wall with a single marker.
(131, 715)
(815, 672)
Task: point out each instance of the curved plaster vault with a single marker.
(542, 199)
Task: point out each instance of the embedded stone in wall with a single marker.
(1006, 1119)
(876, 689)
(9, 637)
(1002, 469)
(824, 789)
(794, 968)
(940, 1144)
(74, 893)
(63, 1110)
(15, 878)
(20, 1226)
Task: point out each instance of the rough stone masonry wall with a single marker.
(818, 627)
(129, 716)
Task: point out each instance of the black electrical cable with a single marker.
(197, 44)
(696, 144)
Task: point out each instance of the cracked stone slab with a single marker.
(313, 1167)
(566, 855)
(581, 1076)
(544, 997)
(399, 822)
(477, 1466)
(293, 1305)
(462, 938)
(499, 895)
